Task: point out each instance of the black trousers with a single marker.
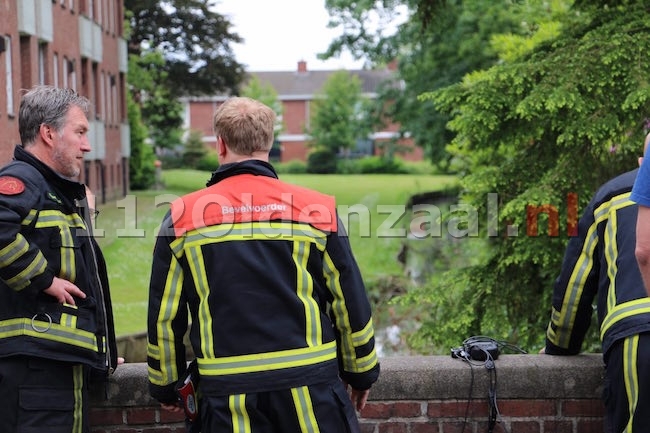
(627, 385)
(42, 395)
(323, 408)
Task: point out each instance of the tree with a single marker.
(449, 40)
(160, 110)
(142, 159)
(339, 115)
(539, 131)
(195, 41)
(195, 149)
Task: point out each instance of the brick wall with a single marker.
(421, 394)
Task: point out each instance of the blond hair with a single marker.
(245, 125)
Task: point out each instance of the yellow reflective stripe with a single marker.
(269, 230)
(14, 250)
(630, 375)
(623, 311)
(258, 362)
(69, 320)
(241, 422)
(30, 217)
(65, 223)
(364, 335)
(564, 321)
(550, 330)
(55, 332)
(611, 255)
(153, 351)
(304, 410)
(156, 377)
(165, 333)
(35, 268)
(360, 338)
(77, 414)
(199, 274)
(304, 291)
(366, 363)
(332, 276)
(55, 218)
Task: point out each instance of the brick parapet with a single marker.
(419, 394)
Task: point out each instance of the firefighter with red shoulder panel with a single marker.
(281, 325)
(56, 322)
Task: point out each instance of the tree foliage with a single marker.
(429, 55)
(160, 111)
(339, 114)
(195, 40)
(542, 102)
(556, 121)
(141, 161)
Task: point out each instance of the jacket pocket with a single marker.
(81, 316)
(45, 409)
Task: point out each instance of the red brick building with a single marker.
(296, 90)
(77, 44)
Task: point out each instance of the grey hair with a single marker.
(47, 105)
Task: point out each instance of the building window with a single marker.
(55, 69)
(102, 89)
(65, 72)
(115, 115)
(111, 16)
(72, 79)
(42, 63)
(9, 76)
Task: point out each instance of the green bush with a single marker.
(292, 167)
(194, 150)
(171, 160)
(322, 161)
(372, 165)
(209, 162)
(380, 165)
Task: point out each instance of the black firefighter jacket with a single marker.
(600, 265)
(275, 296)
(43, 234)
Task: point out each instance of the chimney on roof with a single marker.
(302, 66)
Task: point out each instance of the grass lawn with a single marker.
(127, 228)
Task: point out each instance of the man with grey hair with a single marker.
(56, 321)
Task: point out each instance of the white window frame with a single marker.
(55, 69)
(9, 76)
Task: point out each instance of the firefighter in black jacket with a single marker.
(56, 324)
(281, 322)
(599, 264)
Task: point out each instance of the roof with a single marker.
(303, 84)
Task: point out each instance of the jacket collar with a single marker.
(250, 166)
(75, 190)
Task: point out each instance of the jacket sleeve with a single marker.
(23, 267)
(574, 289)
(167, 318)
(351, 313)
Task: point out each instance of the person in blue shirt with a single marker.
(641, 196)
